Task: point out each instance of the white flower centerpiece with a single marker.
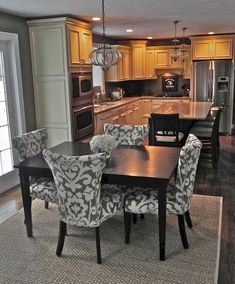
(103, 143)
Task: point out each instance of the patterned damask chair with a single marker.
(179, 196)
(132, 135)
(82, 202)
(29, 145)
(127, 134)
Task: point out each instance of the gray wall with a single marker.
(18, 25)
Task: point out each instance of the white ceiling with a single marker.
(146, 17)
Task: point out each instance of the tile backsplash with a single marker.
(147, 87)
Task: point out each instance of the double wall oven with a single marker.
(82, 105)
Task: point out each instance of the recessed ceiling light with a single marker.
(149, 37)
(96, 19)
(210, 33)
(129, 30)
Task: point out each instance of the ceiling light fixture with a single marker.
(104, 56)
(129, 30)
(96, 19)
(183, 47)
(175, 52)
(210, 33)
(149, 37)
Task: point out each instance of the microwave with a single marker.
(81, 85)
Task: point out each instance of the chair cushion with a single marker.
(111, 201)
(45, 189)
(142, 201)
(168, 138)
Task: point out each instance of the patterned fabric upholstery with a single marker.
(127, 134)
(29, 145)
(179, 195)
(78, 182)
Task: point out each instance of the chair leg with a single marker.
(182, 231)
(188, 219)
(127, 222)
(62, 233)
(142, 216)
(97, 237)
(46, 204)
(134, 216)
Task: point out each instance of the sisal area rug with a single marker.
(25, 260)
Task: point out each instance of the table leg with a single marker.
(162, 220)
(27, 201)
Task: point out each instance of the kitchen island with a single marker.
(130, 110)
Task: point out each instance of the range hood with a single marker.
(160, 70)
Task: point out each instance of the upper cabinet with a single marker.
(79, 43)
(138, 50)
(150, 74)
(204, 48)
(121, 71)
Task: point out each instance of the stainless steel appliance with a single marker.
(81, 85)
(83, 118)
(212, 82)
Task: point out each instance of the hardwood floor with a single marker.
(220, 182)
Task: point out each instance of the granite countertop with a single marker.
(105, 106)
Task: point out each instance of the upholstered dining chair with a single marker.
(127, 134)
(208, 132)
(132, 135)
(82, 202)
(164, 130)
(29, 145)
(179, 196)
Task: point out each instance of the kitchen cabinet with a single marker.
(161, 57)
(54, 51)
(188, 65)
(150, 66)
(146, 108)
(79, 43)
(121, 71)
(212, 48)
(138, 50)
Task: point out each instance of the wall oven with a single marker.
(81, 85)
(83, 119)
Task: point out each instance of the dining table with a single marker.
(144, 166)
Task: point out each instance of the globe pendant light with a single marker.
(183, 47)
(175, 52)
(104, 56)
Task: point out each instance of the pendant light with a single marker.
(175, 52)
(104, 56)
(183, 47)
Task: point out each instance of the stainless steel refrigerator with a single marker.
(212, 82)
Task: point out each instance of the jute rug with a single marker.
(25, 260)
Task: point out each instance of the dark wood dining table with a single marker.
(145, 166)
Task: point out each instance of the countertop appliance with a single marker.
(212, 82)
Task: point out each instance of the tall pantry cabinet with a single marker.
(58, 46)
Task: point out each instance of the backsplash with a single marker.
(148, 87)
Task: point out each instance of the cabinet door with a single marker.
(202, 49)
(161, 58)
(129, 117)
(85, 45)
(74, 46)
(138, 62)
(146, 109)
(222, 49)
(126, 65)
(150, 74)
(100, 120)
(188, 65)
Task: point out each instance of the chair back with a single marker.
(31, 143)
(215, 128)
(78, 182)
(127, 134)
(186, 172)
(163, 125)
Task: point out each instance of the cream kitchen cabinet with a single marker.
(121, 71)
(145, 110)
(212, 48)
(51, 62)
